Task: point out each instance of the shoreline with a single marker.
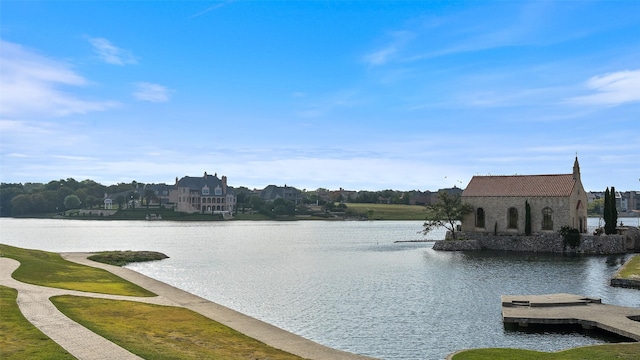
(252, 327)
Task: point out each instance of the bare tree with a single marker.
(446, 212)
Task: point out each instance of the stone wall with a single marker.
(98, 212)
(625, 283)
(603, 244)
(632, 237)
(457, 245)
(546, 242)
(496, 213)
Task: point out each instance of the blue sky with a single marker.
(363, 95)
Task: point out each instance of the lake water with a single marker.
(345, 284)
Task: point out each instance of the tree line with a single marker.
(38, 198)
(18, 199)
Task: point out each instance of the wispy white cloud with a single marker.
(475, 29)
(74, 158)
(110, 53)
(33, 85)
(213, 7)
(585, 148)
(151, 92)
(18, 155)
(323, 105)
(380, 57)
(611, 89)
(399, 40)
(17, 126)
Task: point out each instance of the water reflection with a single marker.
(346, 284)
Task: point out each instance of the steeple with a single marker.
(576, 169)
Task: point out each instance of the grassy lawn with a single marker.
(597, 352)
(631, 270)
(163, 332)
(50, 269)
(18, 338)
(388, 211)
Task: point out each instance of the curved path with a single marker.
(34, 303)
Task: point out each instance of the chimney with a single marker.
(224, 184)
(205, 174)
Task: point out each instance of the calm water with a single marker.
(345, 284)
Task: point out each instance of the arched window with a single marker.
(512, 219)
(480, 218)
(547, 219)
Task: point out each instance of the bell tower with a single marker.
(576, 170)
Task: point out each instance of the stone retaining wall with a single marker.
(457, 245)
(549, 242)
(98, 212)
(625, 283)
(632, 237)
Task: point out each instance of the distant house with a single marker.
(273, 192)
(420, 198)
(203, 194)
(342, 195)
(130, 199)
(161, 193)
(630, 202)
(454, 191)
(499, 203)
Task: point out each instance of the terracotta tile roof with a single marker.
(520, 185)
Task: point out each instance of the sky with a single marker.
(360, 95)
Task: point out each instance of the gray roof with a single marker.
(198, 182)
(159, 189)
(273, 192)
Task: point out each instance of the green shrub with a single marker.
(570, 237)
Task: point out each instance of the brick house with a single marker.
(204, 194)
(499, 203)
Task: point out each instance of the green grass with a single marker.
(628, 351)
(18, 338)
(164, 332)
(50, 269)
(247, 216)
(122, 258)
(630, 270)
(388, 211)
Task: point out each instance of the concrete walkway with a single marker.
(571, 309)
(34, 303)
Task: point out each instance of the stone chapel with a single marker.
(499, 203)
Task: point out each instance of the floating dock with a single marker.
(570, 310)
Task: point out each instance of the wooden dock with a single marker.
(571, 309)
